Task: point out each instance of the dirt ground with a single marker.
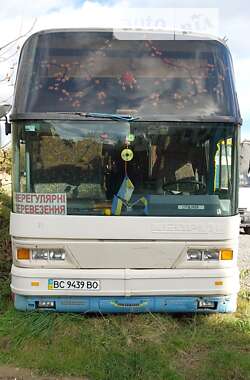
(11, 373)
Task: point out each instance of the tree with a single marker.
(5, 160)
(9, 53)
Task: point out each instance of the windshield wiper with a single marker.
(99, 115)
(112, 116)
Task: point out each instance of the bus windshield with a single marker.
(120, 168)
(95, 72)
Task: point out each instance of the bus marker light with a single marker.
(35, 283)
(23, 254)
(226, 254)
(218, 283)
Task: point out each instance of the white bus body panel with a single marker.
(130, 282)
(105, 242)
(124, 228)
(122, 254)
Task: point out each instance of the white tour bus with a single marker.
(125, 173)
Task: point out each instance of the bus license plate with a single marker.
(69, 284)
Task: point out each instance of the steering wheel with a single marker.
(201, 185)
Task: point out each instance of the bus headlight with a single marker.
(48, 254)
(194, 255)
(212, 254)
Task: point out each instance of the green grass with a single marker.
(146, 347)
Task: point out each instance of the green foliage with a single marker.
(5, 160)
(5, 207)
(245, 284)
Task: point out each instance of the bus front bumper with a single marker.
(133, 304)
(128, 290)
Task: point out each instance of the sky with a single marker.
(224, 18)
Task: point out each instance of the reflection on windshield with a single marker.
(121, 168)
(94, 72)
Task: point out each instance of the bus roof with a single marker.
(139, 32)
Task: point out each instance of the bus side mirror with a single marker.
(4, 110)
(7, 126)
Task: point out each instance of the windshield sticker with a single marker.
(40, 203)
(191, 207)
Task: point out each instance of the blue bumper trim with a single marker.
(133, 304)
